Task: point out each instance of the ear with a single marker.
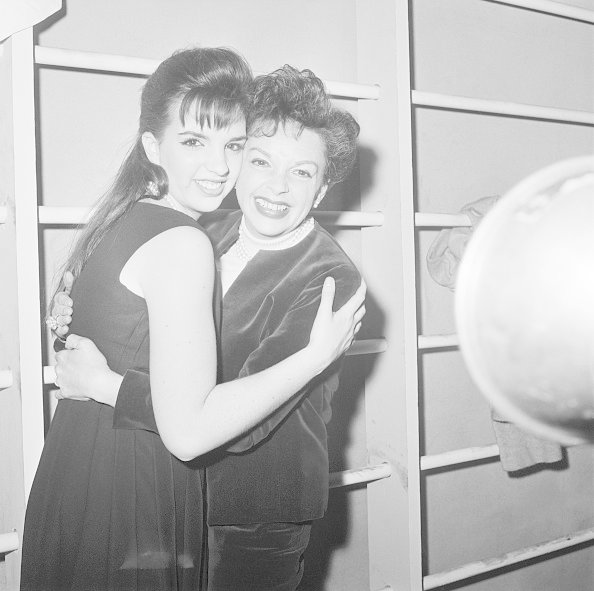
(151, 147)
(321, 194)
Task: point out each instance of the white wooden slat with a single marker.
(9, 542)
(6, 378)
(393, 504)
(553, 8)
(463, 103)
(368, 347)
(439, 341)
(26, 231)
(78, 215)
(459, 456)
(360, 475)
(441, 220)
(409, 275)
(87, 60)
(480, 567)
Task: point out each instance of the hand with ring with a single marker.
(61, 315)
(82, 373)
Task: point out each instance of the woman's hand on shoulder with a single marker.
(333, 333)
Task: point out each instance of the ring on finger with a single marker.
(52, 322)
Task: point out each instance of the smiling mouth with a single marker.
(210, 187)
(270, 206)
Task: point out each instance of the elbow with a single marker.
(186, 450)
(185, 457)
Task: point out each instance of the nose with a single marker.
(217, 163)
(278, 184)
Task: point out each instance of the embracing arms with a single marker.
(193, 415)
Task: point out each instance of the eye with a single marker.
(235, 146)
(301, 172)
(259, 162)
(192, 142)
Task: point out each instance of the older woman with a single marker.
(264, 490)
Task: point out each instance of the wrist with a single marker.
(107, 387)
(316, 359)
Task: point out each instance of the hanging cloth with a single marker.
(518, 450)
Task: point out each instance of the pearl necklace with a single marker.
(248, 245)
(175, 204)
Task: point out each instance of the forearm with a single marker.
(232, 408)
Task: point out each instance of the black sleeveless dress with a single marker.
(113, 509)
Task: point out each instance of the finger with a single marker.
(361, 291)
(63, 320)
(56, 377)
(58, 394)
(327, 299)
(357, 327)
(61, 331)
(358, 316)
(68, 281)
(75, 341)
(61, 310)
(63, 299)
(355, 301)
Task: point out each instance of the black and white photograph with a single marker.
(297, 295)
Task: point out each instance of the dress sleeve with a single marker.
(134, 406)
(291, 335)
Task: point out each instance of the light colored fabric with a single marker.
(445, 253)
(17, 15)
(517, 449)
(230, 265)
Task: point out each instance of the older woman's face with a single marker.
(281, 179)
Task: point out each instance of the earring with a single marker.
(153, 189)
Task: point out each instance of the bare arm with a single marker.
(193, 415)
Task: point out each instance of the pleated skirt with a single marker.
(111, 510)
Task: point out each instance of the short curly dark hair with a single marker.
(289, 95)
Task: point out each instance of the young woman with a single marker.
(112, 508)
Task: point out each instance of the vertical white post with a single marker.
(409, 297)
(27, 251)
(391, 393)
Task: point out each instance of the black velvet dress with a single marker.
(112, 509)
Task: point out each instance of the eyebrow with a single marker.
(201, 136)
(267, 154)
(254, 148)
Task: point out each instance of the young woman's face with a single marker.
(281, 179)
(202, 164)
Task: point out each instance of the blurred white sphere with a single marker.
(525, 303)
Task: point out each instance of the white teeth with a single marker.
(272, 206)
(210, 185)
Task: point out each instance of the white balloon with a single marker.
(525, 303)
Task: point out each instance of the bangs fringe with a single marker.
(210, 110)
